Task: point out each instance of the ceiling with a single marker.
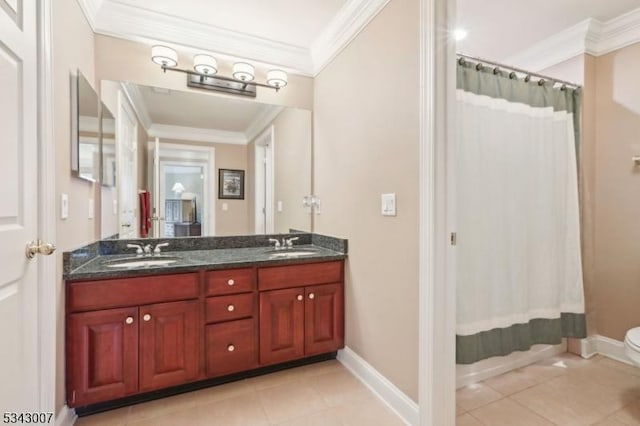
(499, 29)
(202, 111)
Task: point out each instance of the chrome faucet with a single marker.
(276, 243)
(158, 247)
(138, 248)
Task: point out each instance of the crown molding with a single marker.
(90, 8)
(138, 24)
(618, 33)
(165, 131)
(352, 18)
(133, 94)
(590, 36)
(262, 121)
(555, 49)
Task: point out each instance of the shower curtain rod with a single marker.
(520, 70)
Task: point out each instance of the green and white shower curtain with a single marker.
(519, 271)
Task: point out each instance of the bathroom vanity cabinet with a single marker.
(129, 336)
(126, 336)
(301, 311)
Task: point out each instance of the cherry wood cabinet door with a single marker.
(102, 355)
(324, 319)
(281, 325)
(169, 344)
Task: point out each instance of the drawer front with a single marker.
(121, 292)
(226, 308)
(276, 277)
(230, 281)
(231, 347)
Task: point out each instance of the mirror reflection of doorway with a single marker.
(183, 191)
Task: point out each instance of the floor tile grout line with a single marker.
(533, 411)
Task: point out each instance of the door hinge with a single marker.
(454, 238)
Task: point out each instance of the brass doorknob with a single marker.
(38, 247)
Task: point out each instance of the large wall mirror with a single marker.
(85, 143)
(212, 164)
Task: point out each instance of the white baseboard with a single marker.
(400, 403)
(66, 416)
(604, 346)
(488, 368)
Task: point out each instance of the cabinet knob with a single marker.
(231, 308)
(129, 320)
(231, 281)
(300, 297)
(312, 296)
(231, 348)
(146, 317)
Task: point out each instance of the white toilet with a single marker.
(632, 345)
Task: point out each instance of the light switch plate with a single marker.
(64, 206)
(225, 207)
(388, 204)
(279, 204)
(92, 208)
(115, 207)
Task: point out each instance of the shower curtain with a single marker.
(519, 272)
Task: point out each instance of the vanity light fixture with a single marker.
(205, 74)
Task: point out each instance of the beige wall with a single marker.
(123, 60)
(73, 49)
(366, 144)
(617, 192)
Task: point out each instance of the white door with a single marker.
(127, 151)
(18, 206)
(264, 182)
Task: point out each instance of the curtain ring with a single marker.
(541, 82)
(513, 75)
(479, 67)
(563, 87)
(461, 61)
(527, 78)
(496, 70)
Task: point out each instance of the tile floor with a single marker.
(565, 391)
(322, 394)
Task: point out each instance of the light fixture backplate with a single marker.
(213, 83)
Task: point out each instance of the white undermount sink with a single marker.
(291, 253)
(131, 262)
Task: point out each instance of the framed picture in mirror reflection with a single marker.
(231, 184)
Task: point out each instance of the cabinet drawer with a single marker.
(225, 308)
(230, 281)
(114, 293)
(231, 347)
(299, 275)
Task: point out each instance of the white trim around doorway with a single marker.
(48, 284)
(436, 283)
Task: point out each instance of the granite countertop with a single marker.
(194, 260)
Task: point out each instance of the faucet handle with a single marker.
(275, 242)
(290, 241)
(158, 247)
(138, 248)
(147, 249)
